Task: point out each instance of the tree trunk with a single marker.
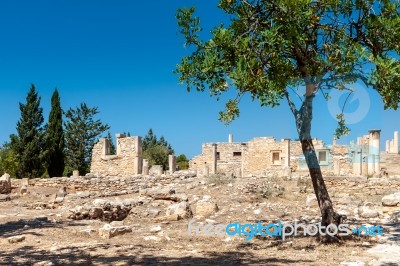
(303, 123)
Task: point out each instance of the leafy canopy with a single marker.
(271, 48)
(156, 150)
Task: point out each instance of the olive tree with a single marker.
(270, 49)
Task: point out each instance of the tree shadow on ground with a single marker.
(23, 225)
(28, 255)
(395, 232)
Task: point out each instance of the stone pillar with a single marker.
(360, 160)
(364, 165)
(377, 164)
(243, 158)
(230, 138)
(138, 156)
(371, 164)
(334, 141)
(206, 170)
(391, 146)
(357, 158)
(75, 173)
(172, 163)
(145, 168)
(287, 152)
(119, 136)
(374, 152)
(396, 142)
(106, 147)
(387, 146)
(214, 159)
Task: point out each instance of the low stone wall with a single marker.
(363, 185)
(113, 186)
(106, 186)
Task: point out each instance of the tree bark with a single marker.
(303, 124)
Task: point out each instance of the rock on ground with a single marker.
(391, 199)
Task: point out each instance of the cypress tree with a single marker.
(55, 138)
(29, 142)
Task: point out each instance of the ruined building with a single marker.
(127, 161)
(257, 157)
(260, 156)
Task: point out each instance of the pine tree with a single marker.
(55, 138)
(81, 133)
(28, 144)
(149, 140)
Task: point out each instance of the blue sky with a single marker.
(119, 56)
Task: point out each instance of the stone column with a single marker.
(172, 163)
(377, 164)
(360, 159)
(106, 147)
(391, 146)
(206, 170)
(119, 136)
(214, 159)
(287, 152)
(138, 156)
(230, 138)
(364, 165)
(374, 152)
(357, 160)
(243, 158)
(396, 142)
(387, 146)
(145, 168)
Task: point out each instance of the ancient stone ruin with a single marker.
(263, 155)
(127, 161)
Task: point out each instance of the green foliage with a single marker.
(81, 133)
(28, 144)
(55, 144)
(157, 155)
(270, 48)
(156, 150)
(182, 162)
(113, 150)
(8, 160)
(149, 140)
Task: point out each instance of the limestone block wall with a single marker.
(390, 163)
(229, 157)
(342, 162)
(203, 160)
(259, 157)
(295, 153)
(127, 161)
